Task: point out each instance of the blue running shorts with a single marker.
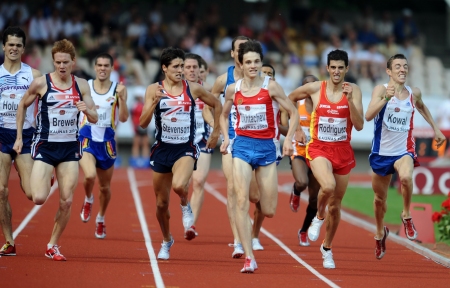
(104, 152)
(256, 152)
(8, 138)
(384, 165)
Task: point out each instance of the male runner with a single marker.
(97, 140)
(337, 108)
(392, 108)
(55, 144)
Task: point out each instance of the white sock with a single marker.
(49, 246)
(100, 219)
(89, 200)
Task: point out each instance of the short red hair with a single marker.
(63, 46)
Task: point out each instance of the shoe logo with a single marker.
(152, 163)
(260, 98)
(39, 156)
(268, 162)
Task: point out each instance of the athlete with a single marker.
(283, 124)
(62, 97)
(337, 107)
(15, 79)
(174, 154)
(393, 150)
(97, 140)
(256, 100)
(202, 132)
(204, 70)
(233, 74)
(300, 170)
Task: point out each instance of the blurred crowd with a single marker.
(295, 41)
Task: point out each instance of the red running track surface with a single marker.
(122, 258)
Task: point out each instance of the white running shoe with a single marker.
(165, 249)
(188, 216)
(238, 250)
(249, 265)
(314, 229)
(256, 245)
(327, 256)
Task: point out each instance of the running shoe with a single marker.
(256, 245)
(249, 265)
(294, 202)
(314, 229)
(164, 252)
(86, 211)
(302, 238)
(8, 250)
(53, 253)
(100, 230)
(410, 230)
(327, 256)
(190, 233)
(238, 250)
(380, 245)
(188, 221)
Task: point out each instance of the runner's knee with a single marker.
(39, 199)
(162, 204)
(334, 207)
(180, 188)
(301, 184)
(328, 187)
(269, 213)
(65, 204)
(405, 179)
(379, 201)
(105, 190)
(90, 177)
(198, 182)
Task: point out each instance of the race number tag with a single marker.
(332, 129)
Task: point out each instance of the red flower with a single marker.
(448, 195)
(436, 217)
(446, 204)
(444, 212)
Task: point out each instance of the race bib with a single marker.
(9, 103)
(397, 119)
(252, 117)
(332, 129)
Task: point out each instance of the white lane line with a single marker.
(222, 199)
(148, 241)
(33, 212)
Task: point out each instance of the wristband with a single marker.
(386, 98)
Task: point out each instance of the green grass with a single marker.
(361, 200)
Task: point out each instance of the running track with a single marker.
(126, 257)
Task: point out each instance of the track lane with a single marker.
(122, 259)
(118, 260)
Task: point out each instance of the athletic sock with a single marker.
(326, 249)
(311, 212)
(49, 246)
(100, 219)
(89, 200)
(296, 192)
